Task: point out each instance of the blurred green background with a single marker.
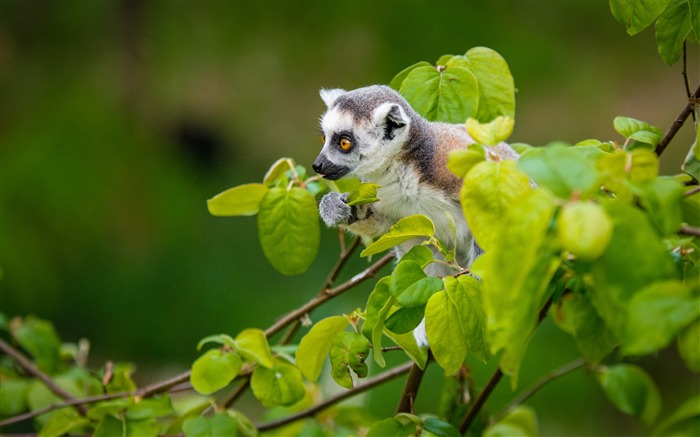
(118, 119)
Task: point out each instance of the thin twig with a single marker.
(368, 384)
(329, 294)
(410, 390)
(692, 191)
(537, 385)
(682, 117)
(495, 378)
(146, 391)
(685, 75)
(688, 230)
(237, 393)
(30, 368)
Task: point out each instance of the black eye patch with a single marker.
(340, 141)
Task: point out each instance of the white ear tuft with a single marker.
(391, 113)
(329, 96)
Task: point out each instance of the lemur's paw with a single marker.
(335, 211)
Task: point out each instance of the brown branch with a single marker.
(495, 378)
(30, 368)
(237, 393)
(410, 390)
(146, 391)
(682, 117)
(368, 384)
(536, 386)
(688, 230)
(327, 295)
(692, 191)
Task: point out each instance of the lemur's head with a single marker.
(363, 131)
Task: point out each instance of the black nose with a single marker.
(318, 166)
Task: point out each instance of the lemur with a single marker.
(373, 134)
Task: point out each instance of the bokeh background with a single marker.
(118, 119)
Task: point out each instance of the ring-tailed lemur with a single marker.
(372, 133)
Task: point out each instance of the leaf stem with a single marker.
(30, 368)
(368, 384)
(685, 74)
(682, 117)
(536, 386)
(688, 230)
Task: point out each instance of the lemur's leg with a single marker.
(362, 220)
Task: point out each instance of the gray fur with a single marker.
(335, 211)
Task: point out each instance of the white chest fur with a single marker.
(402, 194)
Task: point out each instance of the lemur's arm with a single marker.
(361, 220)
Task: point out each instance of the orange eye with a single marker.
(345, 144)
(323, 139)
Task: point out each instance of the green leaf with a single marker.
(150, 408)
(575, 314)
(662, 198)
(110, 407)
(363, 195)
(348, 352)
(405, 320)
(692, 162)
(631, 390)
(391, 428)
(241, 200)
(688, 347)
(63, 422)
(289, 230)
(110, 426)
(440, 429)
(77, 382)
(513, 296)
(638, 130)
(142, 428)
(13, 396)
(491, 133)
(399, 78)
(407, 342)
(252, 344)
(657, 314)
(584, 230)
(496, 86)
(487, 194)
(278, 170)
(672, 28)
(685, 421)
(413, 226)
(637, 15)
(404, 275)
(565, 171)
(280, 385)
(220, 424)
(420, 254)
(635, 258)
(222, 339)
(315, 345)
(214, 370)
(461, 161)
(521, 422)
(378, 307)
(447, 94)
(39, 338)
(418, 293)
(455, 323)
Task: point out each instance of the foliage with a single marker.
(590, 234)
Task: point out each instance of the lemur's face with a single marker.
(357, 140)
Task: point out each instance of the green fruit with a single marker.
(584, 230)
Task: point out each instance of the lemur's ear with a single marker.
(391, 117)
(330, 96)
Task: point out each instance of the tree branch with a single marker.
(30, 368)
(495, 378)
(682, 117)
(692, 191)
(368, 384)
(149, 390)
(536, 386)
(688, 230)
(410, 390)
(327, 295)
